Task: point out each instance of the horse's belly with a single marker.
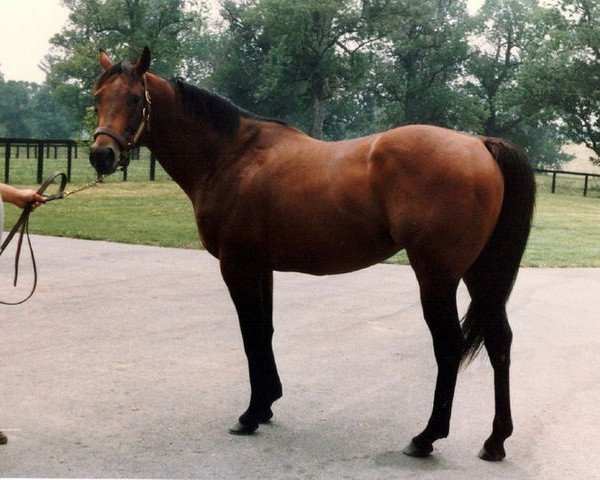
(331, 253)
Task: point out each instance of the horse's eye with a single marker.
(134, 99)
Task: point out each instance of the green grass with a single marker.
(566, 230)
(149, 213)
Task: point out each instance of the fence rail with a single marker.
(38, 146)
(556, 173)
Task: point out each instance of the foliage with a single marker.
(509, 36)
(580, 53)
(28, 110)
(506, 34)
(14, 101)
(562, 78)
(523, 69)
(421, 58)
(296, 73)
(123, 27)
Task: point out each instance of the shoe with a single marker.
(3, 438)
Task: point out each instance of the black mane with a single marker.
(223, 114)
(199, 103)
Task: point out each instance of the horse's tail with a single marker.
(491, 277)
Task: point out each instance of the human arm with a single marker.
(20, 197)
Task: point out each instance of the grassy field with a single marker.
(566, 231)
(149, 213)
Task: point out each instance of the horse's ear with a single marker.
(142, 64)
(105, 60)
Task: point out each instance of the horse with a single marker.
(267, 197)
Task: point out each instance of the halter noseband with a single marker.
(125, 144)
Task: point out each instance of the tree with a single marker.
(577, 81)
(15, 108)
(511, 37)
(47, 119)
(124, 27)
(289, 58)
(507, 33)
(27, 110)
(422, 52)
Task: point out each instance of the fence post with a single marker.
(40, 162)
(69, 160)
(7, 147)
(152, 167)
(554, 182)
(585, 186)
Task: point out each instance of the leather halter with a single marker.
(127, 145)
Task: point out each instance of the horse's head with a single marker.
(123, 109)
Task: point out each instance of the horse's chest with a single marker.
(225, 228)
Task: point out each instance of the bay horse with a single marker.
(268, 197)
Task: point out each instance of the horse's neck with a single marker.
(192, 151)
(184, 147)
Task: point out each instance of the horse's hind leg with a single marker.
(492, 321)
(438, 298)
(498, 339)
(252, 294)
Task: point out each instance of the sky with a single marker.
(25, 30)
(26, 27)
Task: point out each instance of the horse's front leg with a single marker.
(251, 290)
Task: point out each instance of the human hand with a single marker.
(23, 197)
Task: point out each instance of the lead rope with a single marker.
(83, 187)
(22, 226)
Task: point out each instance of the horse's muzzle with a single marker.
(104, 159)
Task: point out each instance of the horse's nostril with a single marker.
(103, 160)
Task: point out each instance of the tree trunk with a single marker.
(317, 116)
(321, 92)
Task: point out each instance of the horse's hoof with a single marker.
(492, 455)
(265, 416)
(414, 450)
(242, 429)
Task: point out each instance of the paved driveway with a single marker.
(128, 362)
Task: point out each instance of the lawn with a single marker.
(566, 230)
(149, 213)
